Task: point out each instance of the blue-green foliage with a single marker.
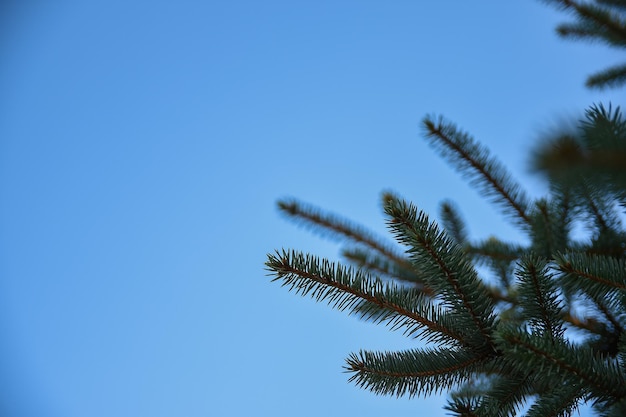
(548, 333)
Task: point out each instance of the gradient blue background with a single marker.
(143, 146)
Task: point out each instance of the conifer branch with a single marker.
(484, 170)
(506, 395)
(605, 21)
(499, 354)
(599, 217)
(364, 295)
(595, 274)
(411, 372)
(452, 222)
(337, 227)
(548, 231)
(611, 77)
(598, 16)
(563, 201)
(464, 407)
(591, 162)
(566, 360)
(497, 255)
(445, 268)
(538, 297)
(382, 266)
(604, 131)
(610, 317)
(576, 31)
(492, 250)
(561, 401)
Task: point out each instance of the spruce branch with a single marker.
(484, 171)
(596, 275)
(550, 228)
(577, 31)
(336, 227)
(452, 222)
(412, 372)
(562, 210)
(367, 296)
(593, 156)
(561, 401)
(600, 17)
(598, 214)
(604, 133)
(500, 344)
(604, 20)
(572, 364)
(494, 251)
(538, 297)
(609, 78)
(561, 159)
(610, 316)
(505, 395)
(499, 256)
(463, 407)
(445, 268)
(382, 266)
(607, 344)
(614, 409)
(542, 237)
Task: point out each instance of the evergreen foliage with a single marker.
(548, 334)
(599, 20)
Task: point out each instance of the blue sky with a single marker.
(144, 145)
